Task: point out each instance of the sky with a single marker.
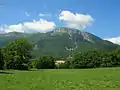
(99, 17)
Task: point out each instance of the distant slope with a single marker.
(61, 41)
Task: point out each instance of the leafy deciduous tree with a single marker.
(17, 54)
(45, 62)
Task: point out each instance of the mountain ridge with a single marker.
(61, 41)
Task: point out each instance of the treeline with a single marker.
(17, 55)
(95, 59)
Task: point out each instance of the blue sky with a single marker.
(105, 13)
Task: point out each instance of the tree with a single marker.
(78, 61)
(1, 59)
(94, 59)
(116, 57)
(18, 54)
(45, 62)
(90, 59)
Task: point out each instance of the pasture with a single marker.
(61, 79)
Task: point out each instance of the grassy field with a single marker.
(76, 79)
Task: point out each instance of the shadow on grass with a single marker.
(2, 72)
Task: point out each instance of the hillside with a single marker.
(61, 41)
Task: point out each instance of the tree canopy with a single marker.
(17, 54)
(95, 59)
(45, 62)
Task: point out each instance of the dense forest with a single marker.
(18, 55)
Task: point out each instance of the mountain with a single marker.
(7, 37)
(61, 41)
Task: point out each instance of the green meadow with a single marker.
(61, 79)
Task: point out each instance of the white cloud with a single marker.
(27, 14)
(41, 15)
(75, 20)
(41, 25)
(115, 40)
(16, 28)
(45, 14)
(34, 26)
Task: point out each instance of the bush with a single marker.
(44, 62)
